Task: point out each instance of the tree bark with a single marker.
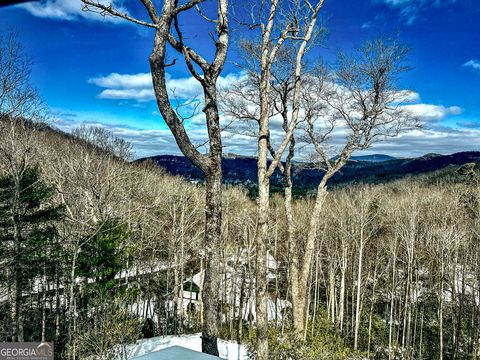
(16, 305)
(440, 307)
(299, 274)
(263, 210)
(262, 253)
(341, 301)
(213, 225)
(359, 287)
(392, 304)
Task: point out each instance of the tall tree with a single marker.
(168, 32)
(23, 221)
(280, 23)
(360, 96)
(18, 97)
(26, 232)
(104, 254)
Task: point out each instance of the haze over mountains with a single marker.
(375, 168)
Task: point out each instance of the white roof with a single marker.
(175, 353)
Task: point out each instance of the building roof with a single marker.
(175, 353)
(190, 285)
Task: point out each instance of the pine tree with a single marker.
(28, 237)
(103, 254)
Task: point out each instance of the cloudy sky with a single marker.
(94, 70)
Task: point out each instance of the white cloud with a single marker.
(410, 9)
(116, 80)
(127, 94)
(474, 64)
(418, 3)
(154, 141)
(399, 2)
(138, 87)
(68, 10)
(184, 88)
(454, 110)
(429, 112)
(418, 143)
(407, 96)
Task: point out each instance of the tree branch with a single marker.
(109, 10)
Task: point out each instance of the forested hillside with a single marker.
(98, 251)
(241, 170)
(273, 236)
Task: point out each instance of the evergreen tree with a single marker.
(28, 238)
(103, 254)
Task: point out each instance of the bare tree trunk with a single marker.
(331, 292)
(71, 299)
(309, 301)
(213, 233)
(420, 356)
(299, 276)
(240, 310)
(176, 297)
(181, 264)
(269, 50)
(211, 165)
(14, 303)
(44, 301)
(176, 270)
(359, 287)
(440, 309)
(275, 252)
(371, 310)
(263, 194)
(316, 291)
(392, 303)
(261, 260)
(224, 313)
(201, 294)
(16, 306)
(233, 288)
(341, 301)
(57, 306)
(460, 309)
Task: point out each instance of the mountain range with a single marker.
(375, 168)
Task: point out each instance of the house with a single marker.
(231, 287)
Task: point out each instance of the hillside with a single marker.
(132, 226)
(242, 170)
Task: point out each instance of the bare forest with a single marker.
(99, 251)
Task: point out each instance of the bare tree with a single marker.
(18, 97)
(291, 22)
(104, 140)
(360, 97)
(168, 32)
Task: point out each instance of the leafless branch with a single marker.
(104, 10)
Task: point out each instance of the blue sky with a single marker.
(94, 70)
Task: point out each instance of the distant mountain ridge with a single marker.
(360, 169)
(371, 158)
